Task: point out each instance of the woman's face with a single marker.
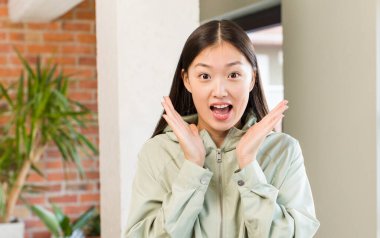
(219, 79)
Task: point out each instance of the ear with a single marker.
(253, 81)
(185, 78)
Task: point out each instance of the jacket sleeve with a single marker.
(156, 212)
(271, 212)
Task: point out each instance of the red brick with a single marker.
(87, 38)
(3, 11)
(85, 15)
(15, 36)
(81, 49)
(54, 164)
(54, 188)
(53, 154)
(87, 61)
(57, 37)
(79, 73)
(9, 73)
(5, 48)
(92, 106)
(34, 224)
(38, 49)
(68, 26)
(44, 26)
(41, 234)
(36, 200)
(90, 130)
(90, 198)
(59, 176)
(3, 35)
(81, 96)
(64, 199)
(89, 84)
(92, 175)
(11, 25)
(63, 60)
(34, 177)
(33, 37)
(78, 209)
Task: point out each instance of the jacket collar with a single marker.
(231, 140)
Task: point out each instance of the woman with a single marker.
(214, 167)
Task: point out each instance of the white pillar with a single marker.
(331, 80)
(138, 44)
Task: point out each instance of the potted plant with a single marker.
(60, 225)
(39, 113)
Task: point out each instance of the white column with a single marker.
(331, 80)
(138, 44)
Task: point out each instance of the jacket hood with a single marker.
(230, 142)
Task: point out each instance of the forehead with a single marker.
(219, 55)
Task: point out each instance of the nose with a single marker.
(220, 89)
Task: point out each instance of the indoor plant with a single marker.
(60, 225)
(39, 113)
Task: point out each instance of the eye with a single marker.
(234, 75)
(204, 76)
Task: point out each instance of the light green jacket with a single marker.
(173, 197)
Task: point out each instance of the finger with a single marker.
(173, 126)
(279, 109)
(174, 112)
(173, 122)
(168, 101)
(280, 104)
(273, 122)
(179, 127)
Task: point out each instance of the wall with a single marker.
(227, 9)
(330, 79)
(138, 49)
(71, 41)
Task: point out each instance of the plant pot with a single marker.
(12, 230)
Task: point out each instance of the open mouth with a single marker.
(221, 109)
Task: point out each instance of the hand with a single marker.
(249, 144)
(188, 135)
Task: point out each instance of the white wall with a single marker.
(138, 44)
(330, 80)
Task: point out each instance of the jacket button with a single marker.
(240, 182)
(204, 180)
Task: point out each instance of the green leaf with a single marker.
(66, 227)
(37, 170)
(25, 63)
(58, 213)
(48, 218)
(4, 92)
(2, 201)
(84, 218)
(84, 140)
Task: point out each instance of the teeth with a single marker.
(221, 106)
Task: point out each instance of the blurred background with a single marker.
(120, 57)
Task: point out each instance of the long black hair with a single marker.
(204, 36)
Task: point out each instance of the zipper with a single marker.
(219, 162)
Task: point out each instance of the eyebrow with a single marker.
(228, 65)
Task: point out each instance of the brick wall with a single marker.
(71, 41)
